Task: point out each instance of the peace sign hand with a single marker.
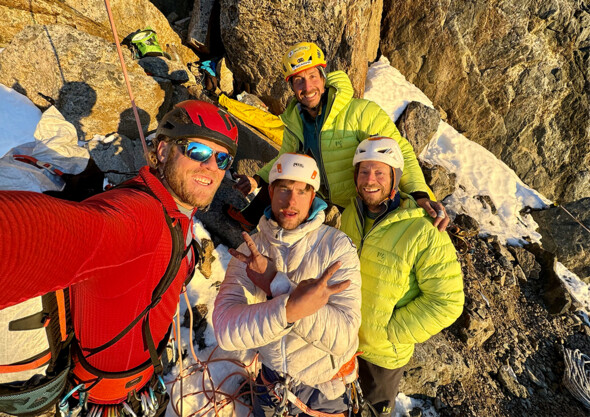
(259, 268)
(312, 294)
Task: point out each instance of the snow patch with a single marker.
(18, 119)
(478, 171)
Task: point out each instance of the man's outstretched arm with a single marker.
(49, 244)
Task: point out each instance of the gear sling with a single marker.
(97, 386)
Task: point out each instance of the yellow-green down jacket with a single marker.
(348, 122)
(412, 285)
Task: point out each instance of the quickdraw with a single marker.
(355, 396)
(285, 396)
(64, 405)
(148, 403)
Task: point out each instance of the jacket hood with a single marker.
(279, 236)
(340, 92)
(407, 209)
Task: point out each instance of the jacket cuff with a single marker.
(417, 195)
(281, 284)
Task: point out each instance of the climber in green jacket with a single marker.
(327, 123)
(412, 286)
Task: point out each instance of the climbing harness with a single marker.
(281, 390)
(146, 403)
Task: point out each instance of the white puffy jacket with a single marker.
(315, 347)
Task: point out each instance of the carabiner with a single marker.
(161, 386)
(281, 408)
(153, 398)
(64, 406)
(127, 409)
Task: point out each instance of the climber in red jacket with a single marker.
(113, 251)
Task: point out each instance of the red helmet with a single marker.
(199, 119)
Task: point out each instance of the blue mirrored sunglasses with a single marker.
(201, 153)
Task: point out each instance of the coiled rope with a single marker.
(576, 377)
(216, 397)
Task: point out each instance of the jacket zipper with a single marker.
(284, 355)
(279, 236)
(321, 162)
(322, 167)
(362, 222)
(361, 218)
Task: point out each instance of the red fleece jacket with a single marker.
(111, 249)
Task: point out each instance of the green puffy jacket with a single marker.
(412, 286)
(348, 122)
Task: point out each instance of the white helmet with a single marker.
(381, 149)
(296, 167)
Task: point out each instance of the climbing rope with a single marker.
(459, 238)
(216, 398)
(129, 91)
(576, 376)
(575, 219)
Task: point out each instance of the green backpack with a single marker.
(147, 44)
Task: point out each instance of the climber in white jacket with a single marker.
(292, 292)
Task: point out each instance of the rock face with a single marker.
(256, 34)
(82, 75)
(439, 179)
(198, 28)
(121, 155)
(418, 123)
(512, 77)
(434, 363)
(91, 16)
(565, 237)
(160, 67)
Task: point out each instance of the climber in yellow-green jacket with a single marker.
(412, 286)
(327, 123)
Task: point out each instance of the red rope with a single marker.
(217, 399)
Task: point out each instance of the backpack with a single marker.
(37, 378)
(146, 43)
(35, 353)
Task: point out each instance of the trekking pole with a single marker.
(135, 112)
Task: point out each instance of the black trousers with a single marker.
(380, 386)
